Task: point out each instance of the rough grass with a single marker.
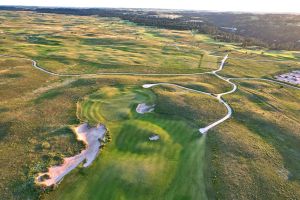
(257, 154)
(102, 45)
(254, 66)
(254, 155)
(48, 107)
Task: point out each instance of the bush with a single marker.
(46, 145)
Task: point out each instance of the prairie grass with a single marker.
(253, 155)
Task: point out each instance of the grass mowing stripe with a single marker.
(132, 167)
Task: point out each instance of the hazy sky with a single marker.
(217, 5)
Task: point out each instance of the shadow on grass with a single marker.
(286, 143)
(48, 95)
(135, 140)
(4, 129)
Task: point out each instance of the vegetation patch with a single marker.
(253, 155)
(4, 129)
(14, 75)
(44, 41)
(83, 83)
(48, 95)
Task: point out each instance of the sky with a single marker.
(277, 6)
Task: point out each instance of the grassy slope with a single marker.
(46, 107)
(243, 65)
(107, 45)
(30, 140)
(254, 155)
(131, 167)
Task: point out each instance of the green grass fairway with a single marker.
(130, 166)
(255, 154)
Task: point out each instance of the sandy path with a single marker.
(91, 137)
(35, 65)
(179, 86)
(218, 96)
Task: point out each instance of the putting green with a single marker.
(131, 166)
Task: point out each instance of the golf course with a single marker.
(90, 92)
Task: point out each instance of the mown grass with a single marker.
(132, 167)
(254, 155)
(46, 106)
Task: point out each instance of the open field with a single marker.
(91, 45)
(262, 154)
(253, 155)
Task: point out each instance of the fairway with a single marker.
(225, 127)
(131, 166)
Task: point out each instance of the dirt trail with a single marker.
(219, 96)
(214, 72)
(204, 130)
(35, 65)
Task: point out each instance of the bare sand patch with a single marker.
(91, 137)
(144, 108)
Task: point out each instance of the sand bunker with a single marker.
(154, 137)
(91, 137)
(144, 108)
(292, 77)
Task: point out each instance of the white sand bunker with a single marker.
(292, 77)
(154, 137)
(91, 137)
(144, 108)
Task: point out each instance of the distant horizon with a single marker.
(171, 9)
(254, 6)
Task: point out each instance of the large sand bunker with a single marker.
(91, 137)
